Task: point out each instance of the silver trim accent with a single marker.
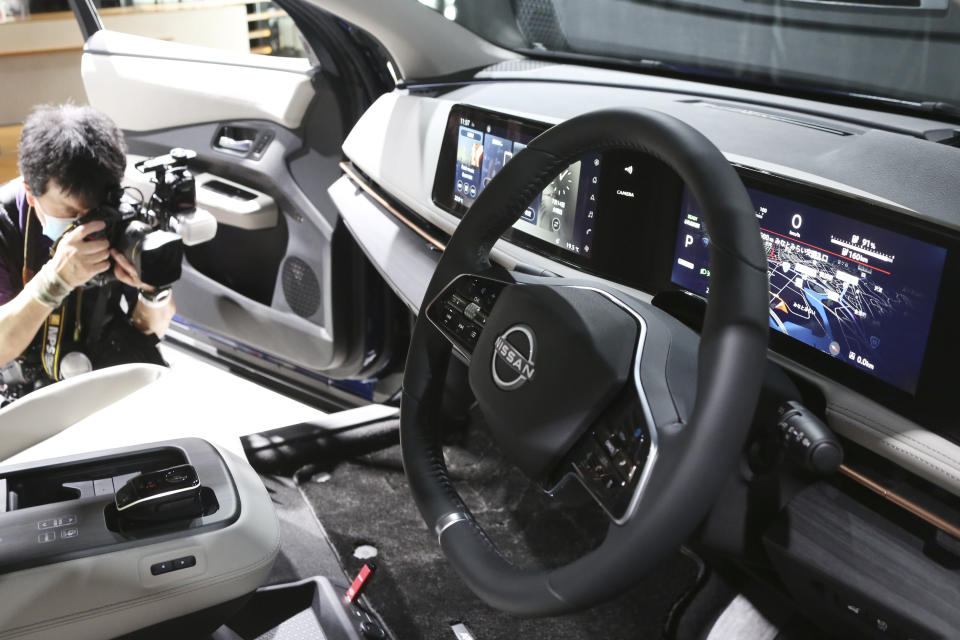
(647, 414)
(446, 521)
(159, 495)
(521, 378)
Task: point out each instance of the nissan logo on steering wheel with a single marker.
(513, 355)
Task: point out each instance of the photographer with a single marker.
(70, 157)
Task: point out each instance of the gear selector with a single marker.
(167, 494)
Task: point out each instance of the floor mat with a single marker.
(367, 502)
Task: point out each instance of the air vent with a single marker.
(772, 115)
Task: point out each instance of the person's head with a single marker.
(70, 157)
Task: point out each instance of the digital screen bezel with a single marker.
(930, 403)
(921, 264)
(614, 232)
(446, 174)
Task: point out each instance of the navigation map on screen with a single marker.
(850, 289)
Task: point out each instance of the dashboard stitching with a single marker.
(919, 459)
(901, 448)
(867, 421)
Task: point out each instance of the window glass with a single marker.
(231, 25)
(898, 53)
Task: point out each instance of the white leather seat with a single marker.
(48, 411)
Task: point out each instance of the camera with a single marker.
(152, 234)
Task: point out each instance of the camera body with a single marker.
(148, 233)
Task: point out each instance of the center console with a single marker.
(66, 510)
(119, 540)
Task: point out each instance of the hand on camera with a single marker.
(78, 259)
(126, 272)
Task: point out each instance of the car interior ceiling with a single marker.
(606, 346)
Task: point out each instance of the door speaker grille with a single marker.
(301, 289)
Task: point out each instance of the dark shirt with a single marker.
(8, 281)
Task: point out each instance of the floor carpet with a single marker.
(366, 501)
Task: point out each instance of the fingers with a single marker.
(125, 271)
(98, 256)
(123, 262)
(90, 227)
(93, 247)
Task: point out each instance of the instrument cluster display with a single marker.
(860, 293)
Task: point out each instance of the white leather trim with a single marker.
(109, 595)
(146, 92)
(52, 409)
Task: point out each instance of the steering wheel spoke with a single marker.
(460, 312)
(612, 460)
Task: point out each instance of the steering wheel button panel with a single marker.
(462, 309)
(609, 458)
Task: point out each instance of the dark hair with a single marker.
(78, 147)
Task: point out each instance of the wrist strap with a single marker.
(154, 299)
(48, 288)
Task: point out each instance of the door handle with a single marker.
(240, 146)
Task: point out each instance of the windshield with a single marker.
(905, 50)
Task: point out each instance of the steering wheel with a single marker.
(580, 381)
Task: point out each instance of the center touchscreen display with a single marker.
(855, 291)
(562, 215)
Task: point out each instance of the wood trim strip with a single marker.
(386, 205)
(901, 502)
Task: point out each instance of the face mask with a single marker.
(53, 228)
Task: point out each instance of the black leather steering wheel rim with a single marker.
(730, 364)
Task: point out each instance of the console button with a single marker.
(47, 536)
(470, 335)
(72, 532)
(372, 630)
(183, 563)
(176, 476)
(458, 303)
(448, 317)
(161, 567)
(467, 288)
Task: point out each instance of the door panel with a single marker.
(279, 279)
(133, 78)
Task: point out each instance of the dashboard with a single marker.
(856, 292)
(859, 218)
